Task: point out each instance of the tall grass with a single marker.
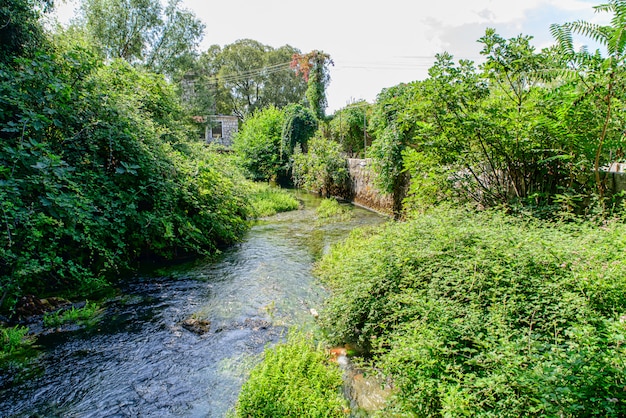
(483, 315)
(330, 210)
(267, 200)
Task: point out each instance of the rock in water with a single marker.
(197, 326)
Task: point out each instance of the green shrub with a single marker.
(267, 200)
(97, 169)
(484, 315)
(322, 168)
(295, 379)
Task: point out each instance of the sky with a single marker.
(379, 44)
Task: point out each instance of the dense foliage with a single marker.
(269, 138)
(486, 315)
(96, 170)
(348, 127)
(537, 129)
(322, 169)
(258, 144)
(20, 31)
(295, 379)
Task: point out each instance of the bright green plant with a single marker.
(12, 339)
(295, 379)
(16, 349)
(330, 210)
(258, 144)
(88, 314)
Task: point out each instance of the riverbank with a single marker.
(140, 359)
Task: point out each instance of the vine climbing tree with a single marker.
(314, 68)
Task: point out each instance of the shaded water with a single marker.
(141, 362)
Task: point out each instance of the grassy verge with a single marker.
(484, 315)
(295, 379)
(267, 200)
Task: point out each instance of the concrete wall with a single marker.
(615, 182)
(363, 190)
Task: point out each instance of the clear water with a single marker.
(140, 361)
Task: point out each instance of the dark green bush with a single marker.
(483, 315)
(96, 169)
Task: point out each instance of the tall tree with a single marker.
(142, 32)
(247, 75)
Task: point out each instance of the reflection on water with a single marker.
(142, 362)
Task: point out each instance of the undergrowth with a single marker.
(485, 315)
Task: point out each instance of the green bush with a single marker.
(322, 168)
(484, 315)
(258, 144)
(295, 379)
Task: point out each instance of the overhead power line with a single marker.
(255, 72)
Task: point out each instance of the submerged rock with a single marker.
(197, 326)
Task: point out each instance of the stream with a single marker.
(140, 361)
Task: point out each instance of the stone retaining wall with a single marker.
(363, 190)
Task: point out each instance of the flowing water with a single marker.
(141, 362)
